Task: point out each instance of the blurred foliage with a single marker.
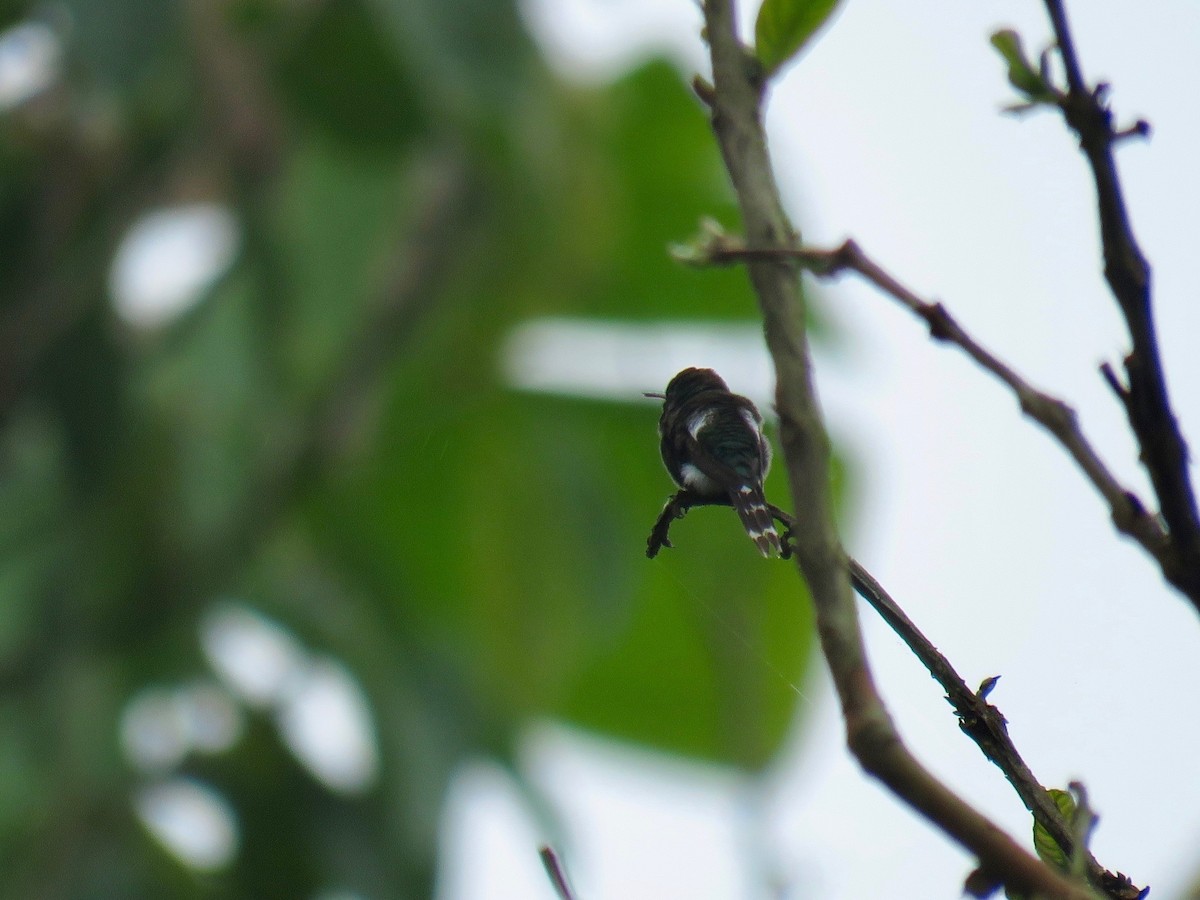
(327, 437)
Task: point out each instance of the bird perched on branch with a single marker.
(714, 448)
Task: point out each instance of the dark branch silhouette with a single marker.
(1164, 452)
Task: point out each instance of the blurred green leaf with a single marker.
(12, 12)
(783, 27)
(626, 173)
(343, 75)
(473, 56)
(339, 220)
(124, 43)
(548, 503)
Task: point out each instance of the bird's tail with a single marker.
(751, 508)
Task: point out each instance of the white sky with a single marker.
(888, 131)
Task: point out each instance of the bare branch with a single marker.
(988, 728)
(871, 736)
(1164, 452)
(1120, 391)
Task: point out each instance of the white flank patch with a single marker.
(745, 489)
(699, 422)
(696, 480)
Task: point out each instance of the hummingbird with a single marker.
(714, 448)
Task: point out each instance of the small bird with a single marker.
(714, 448)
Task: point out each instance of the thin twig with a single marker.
(978, 719)
(870, 734)
(988, 728)
(1164, 452)
(1110, 378)
(1128, 512)
(555, 872)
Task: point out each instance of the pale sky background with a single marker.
(889, 131)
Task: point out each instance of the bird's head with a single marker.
(690, 382)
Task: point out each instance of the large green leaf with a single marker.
(473, 56)
(510, 530)
(514, 530)
(342, 74)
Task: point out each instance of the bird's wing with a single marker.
(729, 454)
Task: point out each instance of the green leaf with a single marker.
(473, 56)
(1047, 848)
(345, 76)
(1021, 74)
(508, 529)
(639, 171)
(783, 28)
